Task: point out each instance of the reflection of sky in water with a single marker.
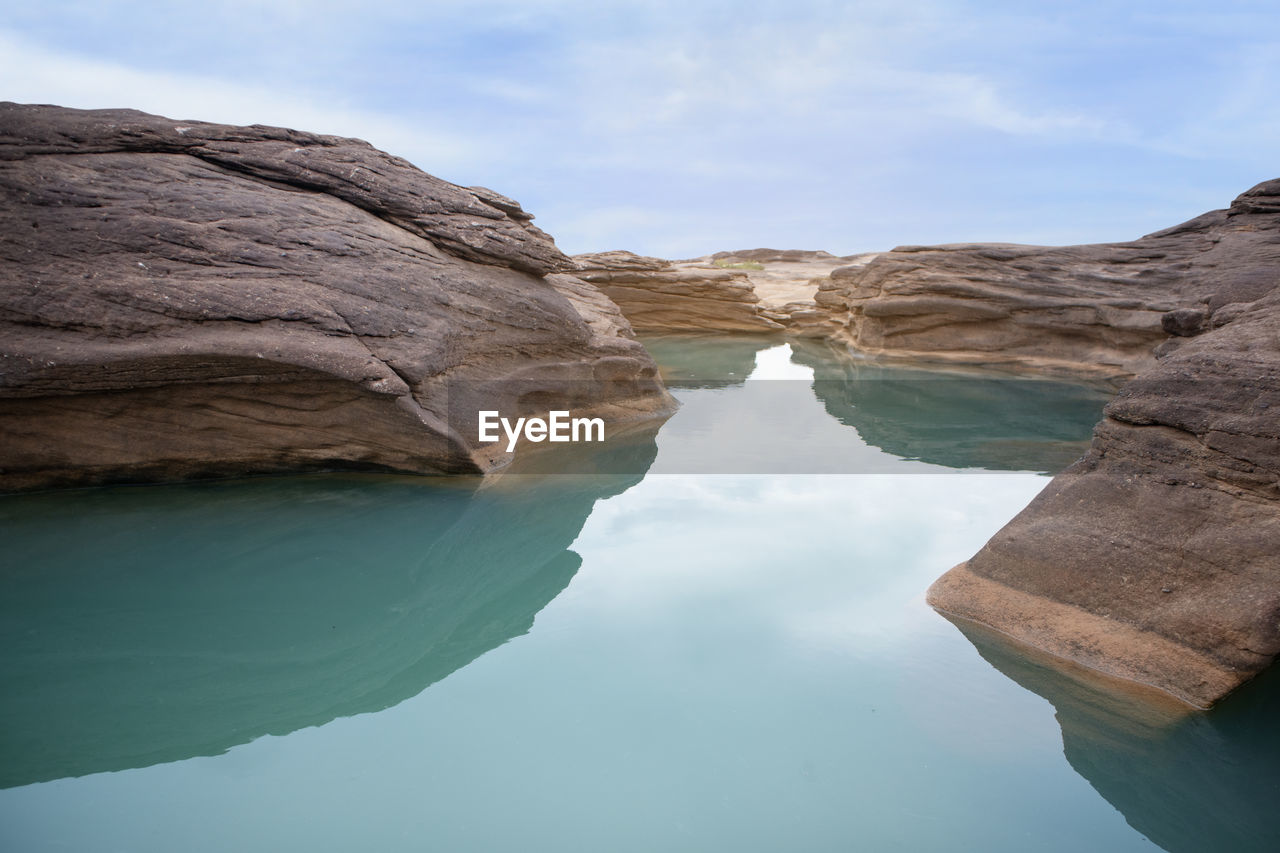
(775, 363)
(742, 663)
(864, 533)
(768, 424)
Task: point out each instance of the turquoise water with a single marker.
(710, 648)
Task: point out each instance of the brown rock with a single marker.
(187, 299)
(1095, 309)
(1156, 558)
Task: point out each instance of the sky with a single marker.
(682, 128)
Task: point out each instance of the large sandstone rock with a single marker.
(1095, 309)
(1156, 558)
(184, 299)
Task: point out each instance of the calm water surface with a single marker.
(710, 646)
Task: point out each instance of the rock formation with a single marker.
(1156, 558)
(1095, 309)
(184, 299)
(658, 295)
(755, 290)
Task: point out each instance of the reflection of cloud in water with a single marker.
(672, 541)
(148, 625)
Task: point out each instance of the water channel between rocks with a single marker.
(715, 640)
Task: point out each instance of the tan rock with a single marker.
(1095, 309)
(765, 290)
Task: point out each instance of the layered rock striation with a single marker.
(753, 290)
(657, 295)
(186, 299)
(1093, 309)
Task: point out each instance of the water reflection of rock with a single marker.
(151, 624)
(1189, 781)
(706, 361)
(970, 420)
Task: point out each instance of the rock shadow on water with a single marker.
(950, 417)
(1190, 781)
(957, 418)
(151, 624)
(721, 360)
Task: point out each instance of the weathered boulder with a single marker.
(187, 299)
(1094, 309)
(1156, 558)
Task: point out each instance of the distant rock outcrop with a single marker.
(658, 295)
(1095, 309)
(186, 299)
(753, 290)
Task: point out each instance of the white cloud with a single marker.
(680, 127)
(809, 77)
(34, 74)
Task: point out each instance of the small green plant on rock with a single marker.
(725, 264)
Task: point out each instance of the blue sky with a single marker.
(682, 128)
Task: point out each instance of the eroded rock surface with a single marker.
(1156, 558)
(186, 299)
(664, 296)
(1093, 309)
(752, 290)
